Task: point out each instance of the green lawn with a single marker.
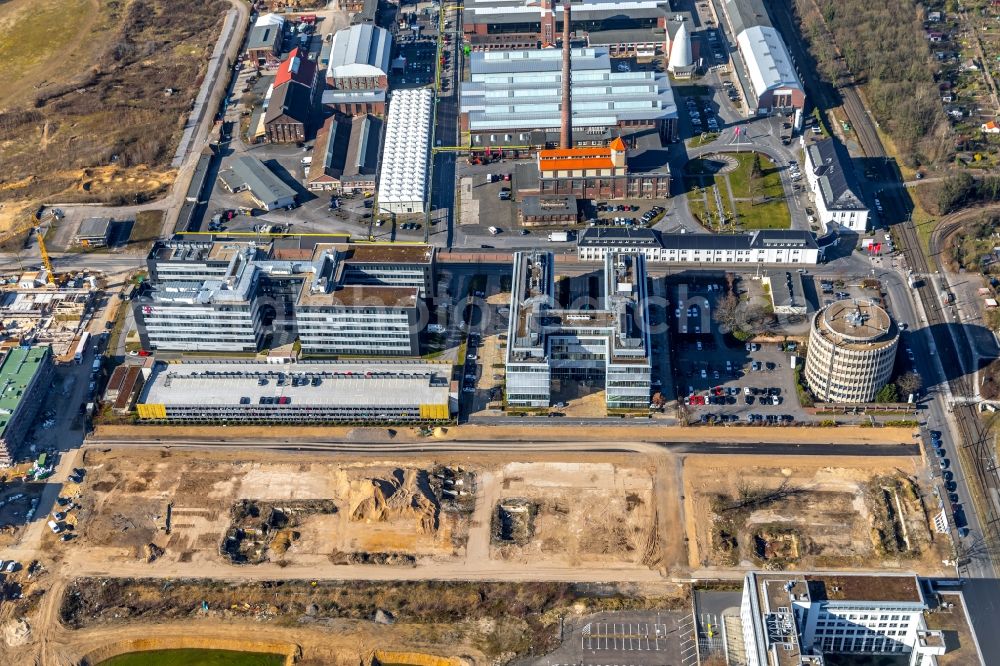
(739, 178)
(770, 215)
(194, 657)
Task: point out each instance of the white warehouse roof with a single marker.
(269, 19)
(403, 179)
(361, 50)
(767, 59)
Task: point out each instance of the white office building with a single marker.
(796, 619)
(609, 342)
(765, 246)
(405, 153)
(837, 203)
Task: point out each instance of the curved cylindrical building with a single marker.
(852, 349)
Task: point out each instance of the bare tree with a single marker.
(726, 313)
(909, 382)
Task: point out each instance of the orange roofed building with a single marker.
(605, 172)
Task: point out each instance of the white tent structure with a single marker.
(269, 19)
(680, 50)
(403, 177)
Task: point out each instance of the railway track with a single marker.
(975, 451)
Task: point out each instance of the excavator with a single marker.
(33, 225)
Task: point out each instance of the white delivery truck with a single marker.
(559, 236)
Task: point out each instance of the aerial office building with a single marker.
(765, 246)
(852, 349)
(608, 343)
(336, 300)
(24, 381)
(801, 619)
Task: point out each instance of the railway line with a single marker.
(975, 452)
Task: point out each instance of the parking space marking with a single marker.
(624, 637)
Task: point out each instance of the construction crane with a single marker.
(33, 225)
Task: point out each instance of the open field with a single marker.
(95, 96)
(804, 513)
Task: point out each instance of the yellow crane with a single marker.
(33, 225)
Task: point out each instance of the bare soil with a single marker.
(802, 513)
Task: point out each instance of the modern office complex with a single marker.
(765, 246)
(832, 183)
(768, 64)
(234, 296)
(298, 393)
(513, 99)
(852, 349)
(24, 382)
(608, 343)
(796, 619)
(405, 152)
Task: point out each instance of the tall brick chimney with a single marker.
(566, 133)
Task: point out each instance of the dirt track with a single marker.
(650, 432)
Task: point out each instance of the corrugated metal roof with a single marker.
(767, 59)
(250, 172)
(361, 50)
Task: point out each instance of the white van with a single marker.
(54, 527)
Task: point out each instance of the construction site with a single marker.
(191, 509)
(803, 513)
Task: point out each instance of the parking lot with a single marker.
(719, 378)
(627, 639)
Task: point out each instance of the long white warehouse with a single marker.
(403, 178)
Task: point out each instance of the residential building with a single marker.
(24, 382)
(248, 174)
(528, 24)
(513, 100)
(990, 127)
(93, 232)
(765, 246)
(264, 41)
(538, 211)
(797, 619)
(828, 172)
(336, 299)
(406, 152)
(605, 342)
(852, 350)
(311, 392)
(774, 82)
(360, 58)
(345, 155)
(606, 172)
